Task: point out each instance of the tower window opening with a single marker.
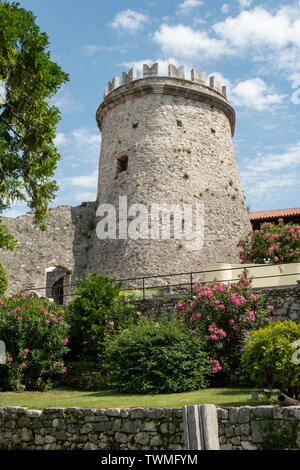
(122, 164)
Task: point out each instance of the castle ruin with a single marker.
(165, 140)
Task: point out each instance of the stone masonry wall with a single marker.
(64, 245)
(244, 428)
(177, 136)
(286, 302)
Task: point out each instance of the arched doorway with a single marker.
(58, 284)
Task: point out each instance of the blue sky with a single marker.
(252, 46)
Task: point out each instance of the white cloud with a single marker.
(188, 5)
(256, 94)
(271, 177)
(225, 8)
(61, 140)
(86, 181)
(92, 49)
(85, 196)
(259, 27)
(183, 41)
(85, 139)
(129, 20)
(82, 142)
(245, 3)
(272, 162)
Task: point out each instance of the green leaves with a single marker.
(28, 157)
(97, 309)
(268, 357)
(153, 357)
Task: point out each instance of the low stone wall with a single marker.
(259, 427)
(91, 429)
(286, 302)
(243, 428)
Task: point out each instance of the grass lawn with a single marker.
(107, 399)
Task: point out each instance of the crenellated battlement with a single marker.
(173, 72)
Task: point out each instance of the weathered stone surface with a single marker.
(140, 433)
(262, 411)
(121, 437)
(256, 431)
(150, 426)
(242, 429)
(142, 438)
(26, 435)
(226, 447)
(244, 414)
(246, 445)
(209, 427)
(153, 413)
(229, 430)
(33, 413)
(233, 415)
(86, 428)
(49, 439)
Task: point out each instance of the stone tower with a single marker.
(168, 140)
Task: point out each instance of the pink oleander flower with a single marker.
(139, 314)
(23, 365)
(271, 308)
(222, 333)
(231, 322)
(221, 307)
(65, 341)
(214, 337)
(22, 387)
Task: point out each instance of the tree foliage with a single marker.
(28, 80)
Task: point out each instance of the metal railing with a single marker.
(166, 288)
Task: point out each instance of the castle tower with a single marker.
(168, 140)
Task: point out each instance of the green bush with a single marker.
(155, 357)
(269, 357)
(3, 280)
(35, 333)
(98, 306)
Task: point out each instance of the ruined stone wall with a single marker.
(177, 136)
(64, 244)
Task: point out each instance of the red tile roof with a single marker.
(274, 213)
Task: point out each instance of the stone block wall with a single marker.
(91, 429)
(252, 428)
(240, 428)
(286, 302)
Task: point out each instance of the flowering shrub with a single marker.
(98, 306)
(268, 357)
(35, 333)
(278, 243)
(3, 280)
(156, 357)
(224, 314)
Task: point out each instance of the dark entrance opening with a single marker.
(58, 291)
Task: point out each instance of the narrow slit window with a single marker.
(122, 164)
